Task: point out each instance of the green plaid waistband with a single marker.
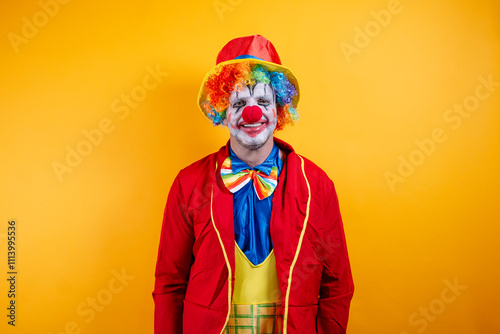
(255, 319)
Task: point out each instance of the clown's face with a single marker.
(252, 115)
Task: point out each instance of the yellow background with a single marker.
(359, 114)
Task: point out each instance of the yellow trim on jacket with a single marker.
(229, 274)
(287, 297)
(299, 245)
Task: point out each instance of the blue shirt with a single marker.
(252, 217)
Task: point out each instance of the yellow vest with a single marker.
(255, 284)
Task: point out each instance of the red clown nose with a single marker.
(252, 114)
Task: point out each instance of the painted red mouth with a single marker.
(253, 129)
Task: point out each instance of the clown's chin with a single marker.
(250, 146)
(254, 143)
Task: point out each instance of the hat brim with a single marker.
(202, 94)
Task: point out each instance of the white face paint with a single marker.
(252, 135)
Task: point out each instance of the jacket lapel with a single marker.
(289, 210)
(222, 209)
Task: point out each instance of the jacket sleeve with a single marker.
(173, 263)
(337, 286)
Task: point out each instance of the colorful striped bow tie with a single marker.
(263, 184)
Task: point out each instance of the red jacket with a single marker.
(195, 267)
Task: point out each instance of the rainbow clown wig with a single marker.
(248, 61)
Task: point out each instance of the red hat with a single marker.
(257, 50)
(254, 47)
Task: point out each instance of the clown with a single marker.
(251, 116)
(252, 240)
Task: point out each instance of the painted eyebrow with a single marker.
(264, 95)
(259, 97)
